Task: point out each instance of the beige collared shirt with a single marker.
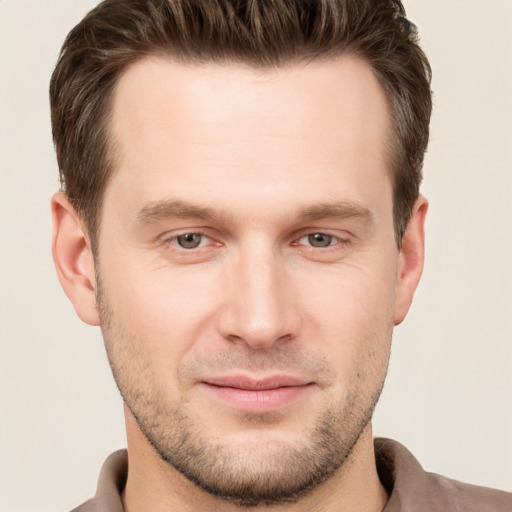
(410, 488)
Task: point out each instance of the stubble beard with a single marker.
(247, 476)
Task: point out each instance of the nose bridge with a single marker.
(261, 308)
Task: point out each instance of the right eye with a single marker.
(319, 240)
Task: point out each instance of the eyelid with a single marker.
(333, 238)
(340, 238)
(169, 238)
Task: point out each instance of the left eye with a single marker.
(318, 240)
(190, 240)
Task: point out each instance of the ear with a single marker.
(411, 257)
(73, 258)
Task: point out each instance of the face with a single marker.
(247, 268)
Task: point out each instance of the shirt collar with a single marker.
(400, 473)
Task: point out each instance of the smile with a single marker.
(257, 395)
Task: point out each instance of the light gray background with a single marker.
(449, 391)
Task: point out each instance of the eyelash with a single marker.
(336, 240)
(332, 238)
(174, 240)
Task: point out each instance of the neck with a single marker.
(155, 486)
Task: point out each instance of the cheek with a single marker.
(349, 297)
(350, 314)
(160, 314)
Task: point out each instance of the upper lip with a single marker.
(256, 384)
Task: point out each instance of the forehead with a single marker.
(323, 93)
(175, 122)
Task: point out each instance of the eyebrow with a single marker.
(168, 209)
(336, 210)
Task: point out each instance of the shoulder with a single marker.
(110, 485)
(411, 488)
(88, 506)
(449, 494)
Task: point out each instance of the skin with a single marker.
(256, 162)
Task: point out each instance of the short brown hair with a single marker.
(262, 33)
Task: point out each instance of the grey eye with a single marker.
(189, 240)
(320, 240)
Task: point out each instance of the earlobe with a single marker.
(73, 258)
(412, 256)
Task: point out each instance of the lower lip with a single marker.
(258, 401)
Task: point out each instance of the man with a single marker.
(241, 216)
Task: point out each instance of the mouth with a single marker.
(249, 394)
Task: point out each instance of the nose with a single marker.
(261, 308)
